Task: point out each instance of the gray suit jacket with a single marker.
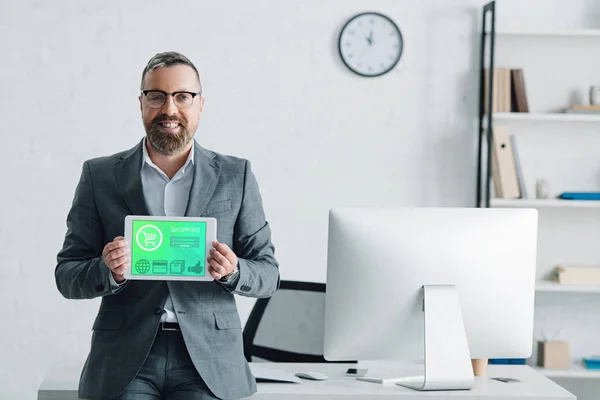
(110, 188)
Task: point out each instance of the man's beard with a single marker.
(168, 143)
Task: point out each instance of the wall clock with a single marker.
(370, 44)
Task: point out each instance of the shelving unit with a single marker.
(546, 54)
(563, 149)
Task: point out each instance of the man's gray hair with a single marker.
(168, 59)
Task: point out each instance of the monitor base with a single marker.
(410, 380)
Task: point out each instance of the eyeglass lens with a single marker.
(158, 99)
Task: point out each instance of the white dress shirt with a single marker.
(167, 197)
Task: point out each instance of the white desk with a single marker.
(61, 383)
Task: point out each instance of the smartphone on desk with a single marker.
(356, 372)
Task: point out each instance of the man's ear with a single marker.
(201, 107)
(140, 99)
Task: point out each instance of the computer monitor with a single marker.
(443, 285)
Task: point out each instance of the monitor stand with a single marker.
(447, 359)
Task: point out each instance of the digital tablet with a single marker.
(169, 248)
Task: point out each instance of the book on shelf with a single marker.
(577, 274)
(593, 109)
(518, 94)
(509, 94)
(579, 196)
(504, 168)
(518, 168)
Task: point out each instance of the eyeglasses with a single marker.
(157, 98)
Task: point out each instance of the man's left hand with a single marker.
(222, 260)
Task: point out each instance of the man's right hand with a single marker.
(116, 258)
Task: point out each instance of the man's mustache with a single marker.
(165, 118)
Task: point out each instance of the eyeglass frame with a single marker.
(172, 94)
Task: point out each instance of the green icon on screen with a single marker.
(177, 266)
(197, 269)
(142, 266)
(149, 237)
(159, 266)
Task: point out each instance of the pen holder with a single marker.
(553, 354)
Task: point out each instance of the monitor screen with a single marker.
(380, 259)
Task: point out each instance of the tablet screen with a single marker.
(168, 248)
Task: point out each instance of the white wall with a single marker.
(276, 93)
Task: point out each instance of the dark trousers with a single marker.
(168, 373)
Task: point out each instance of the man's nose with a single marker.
(169, 107)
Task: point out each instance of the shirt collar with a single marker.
(147, 160)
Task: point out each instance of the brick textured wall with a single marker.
(276, 93)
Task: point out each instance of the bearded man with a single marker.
(167, 339)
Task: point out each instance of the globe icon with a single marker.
(142, 266)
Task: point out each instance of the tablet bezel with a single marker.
(211, 235)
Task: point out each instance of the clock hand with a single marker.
(370, 38)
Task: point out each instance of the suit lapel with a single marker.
(206, 176)
(129, 180)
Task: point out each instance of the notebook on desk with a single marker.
(273, 375)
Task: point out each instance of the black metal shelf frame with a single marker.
(483, 199)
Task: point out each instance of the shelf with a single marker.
(544, 203)
(561, 33)
(574, 371)
(544, 117)
(549, 286)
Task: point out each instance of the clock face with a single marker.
(370, 44)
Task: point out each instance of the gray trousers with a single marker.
(168, 373)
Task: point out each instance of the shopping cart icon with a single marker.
(149, 237)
